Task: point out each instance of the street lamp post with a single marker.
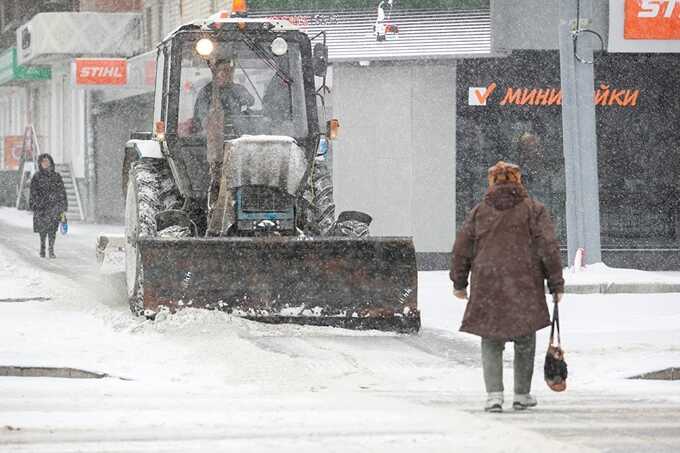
(579, 132)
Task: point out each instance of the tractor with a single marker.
(229, 201)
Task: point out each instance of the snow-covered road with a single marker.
(205, 381)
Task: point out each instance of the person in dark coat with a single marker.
(48, 202)
(508, 243)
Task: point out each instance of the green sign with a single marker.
(10, 71)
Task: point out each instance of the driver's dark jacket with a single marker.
(234, 97)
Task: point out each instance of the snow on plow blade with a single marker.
(352, 283)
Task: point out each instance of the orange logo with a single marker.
(479, 95)
(652, 19)
(100, 71)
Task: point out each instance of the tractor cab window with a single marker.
(259, 93)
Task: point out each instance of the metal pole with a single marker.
(579, 133)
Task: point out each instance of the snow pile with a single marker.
(211, 322)
(601, 274)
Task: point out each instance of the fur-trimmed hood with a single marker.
(505, 195)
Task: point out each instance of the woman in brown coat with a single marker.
(508, 243)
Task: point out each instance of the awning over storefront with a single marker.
(13, 73)
(54, 36)
(404, 35)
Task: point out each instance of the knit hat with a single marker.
(504, 172)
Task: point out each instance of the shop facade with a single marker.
(58, 107)
(638, 144)
(18, 85)
(510, 108)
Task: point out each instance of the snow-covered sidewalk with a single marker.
(599, 278)
(205, 381)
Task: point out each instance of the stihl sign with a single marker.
(652, 19)
(100, 71)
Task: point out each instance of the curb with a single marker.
(622, 288)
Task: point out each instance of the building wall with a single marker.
(14, 13)
(110, 6)
(301, 5)
(65, 132)
(38, 112)
(532, 24)
(163, 16)
(12, 109)
(395, 156)
(113, 123)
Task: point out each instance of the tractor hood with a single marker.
(264, 160)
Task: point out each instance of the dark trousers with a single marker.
(51, 236)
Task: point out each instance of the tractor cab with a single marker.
(228, 80)
(260, 93)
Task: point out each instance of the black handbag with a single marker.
(555, 368)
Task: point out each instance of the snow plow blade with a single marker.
(351, 283)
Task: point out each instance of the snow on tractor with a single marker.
(229, 202)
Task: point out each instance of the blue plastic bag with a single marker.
(63, 224)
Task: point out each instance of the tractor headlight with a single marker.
(279, 46)
(204, 47)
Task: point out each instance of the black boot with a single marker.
(51, 237)
(42, 252)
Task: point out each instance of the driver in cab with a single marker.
(234, 97)
(216, 105)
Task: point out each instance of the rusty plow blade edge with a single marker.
(352, 283)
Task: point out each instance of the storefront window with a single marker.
(527, 135)
(520, 121)
(531, 141)
(639, 151)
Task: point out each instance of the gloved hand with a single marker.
(460, 293)
(557, 297)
